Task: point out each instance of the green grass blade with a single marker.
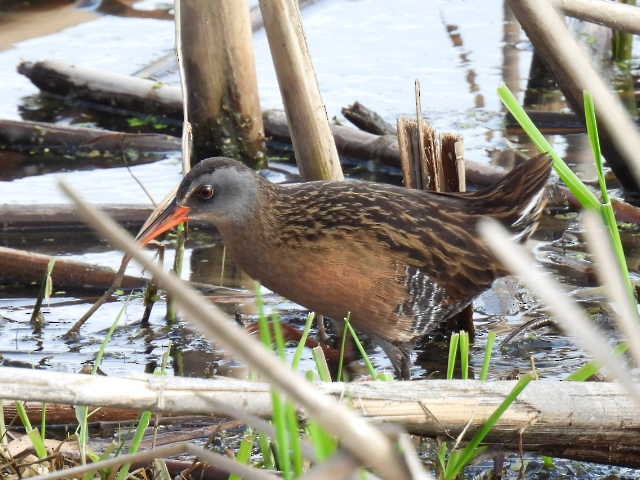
(323, 443)
(469, 451)
(279, 419)
(453, 352)
(34, 434)
(579, 189)
(244, 452)
(590, 369)
(464, 354)
(372, 371)
(343, 342)
(294, 440)
(488, 349)
(303, 341)
(22, 414)
(265, 449)
(136, 441)
(38, 443)
(321, 364)
(606, 208)
(177, 269)
(279, 337)
(594, 139)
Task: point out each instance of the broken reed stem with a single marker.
(367, 443)
(219, 80)
(313, 143)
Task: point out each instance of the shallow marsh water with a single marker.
(365, 50)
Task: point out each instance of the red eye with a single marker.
(205, 192)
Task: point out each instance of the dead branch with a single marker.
(19, 267)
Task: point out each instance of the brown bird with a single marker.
(401, 261)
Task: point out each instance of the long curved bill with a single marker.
(167, 215)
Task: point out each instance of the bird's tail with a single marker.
(517, 200)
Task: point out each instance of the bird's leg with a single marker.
(400, 356)
(322, 332)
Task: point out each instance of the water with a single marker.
(365, 50)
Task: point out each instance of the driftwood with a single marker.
(55, 217)
(48, 147)
(592, 421)
(84, 142)
(28, 268)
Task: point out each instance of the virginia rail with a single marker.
(401, 261)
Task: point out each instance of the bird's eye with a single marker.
(205, 192)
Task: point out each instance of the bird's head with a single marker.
(217, 190)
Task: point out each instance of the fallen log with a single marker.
(594, 421)
(19, 267)
(86, 143)
(55, 217)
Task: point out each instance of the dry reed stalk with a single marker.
(315, 149)
(618, 16)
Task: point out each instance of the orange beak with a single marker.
(163, 218)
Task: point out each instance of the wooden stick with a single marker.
(220, 76)
(311, 137)
(551, 417)
(27, 268)
(573, 71)
(618, 16)
(365, 442)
